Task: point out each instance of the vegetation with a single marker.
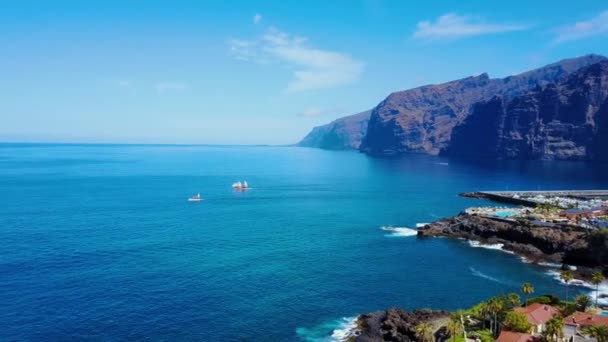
(455, 329)
(566, 276)
(598, 332)
(516, 321)
(424, 332)
(527, 289)
(554, 330)
(582, 302)
(596, 279)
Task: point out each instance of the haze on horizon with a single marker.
(256, 73)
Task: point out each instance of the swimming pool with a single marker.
(505, 213)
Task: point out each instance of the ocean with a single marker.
(99, 242)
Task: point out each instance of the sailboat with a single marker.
(240, 186)
(196, 198)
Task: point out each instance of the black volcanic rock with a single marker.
(397, 325)
(341, 134)
(421, 120)
(567, 120)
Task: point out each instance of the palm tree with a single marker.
(527, 289)
(582, 302)
(554, 329)
(424, 331)
(599, 332)
(514, 299)
(566, 276)
(454, 328)
(494, 307)
(596, 279)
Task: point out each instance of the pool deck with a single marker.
(507, 196)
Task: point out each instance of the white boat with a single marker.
(196, 198)
(240, 186)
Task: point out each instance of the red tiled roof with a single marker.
(583, 319)
(510, 336)
(538, 313)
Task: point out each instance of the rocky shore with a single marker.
(397, 325)
(561, 244)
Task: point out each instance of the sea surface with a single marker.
(98, 242)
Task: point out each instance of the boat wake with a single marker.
(340, 330)
(400, 231)
(482, 275)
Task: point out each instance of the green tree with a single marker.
(582, 302)
(527, 289)
(597, 278)
(599, 332)
(516, 321)
(454, 328)
(554, 329)
(566, 276)
(495, 306)
(424, 331)
(514, 300)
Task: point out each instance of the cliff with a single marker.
(567, 120)
(342, 134)
(421, 120)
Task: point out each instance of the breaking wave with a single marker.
(400, 231)
(340, 330)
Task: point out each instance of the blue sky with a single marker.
(245, 72)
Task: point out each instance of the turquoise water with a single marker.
(100, 243)
(505, 213)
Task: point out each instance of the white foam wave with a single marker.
(340, 330)
(494, 246)
(346, 330)
(400, 231)
(420, 225)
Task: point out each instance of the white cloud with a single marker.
(123, 83)
(595, 26)
(163, 87)
(312, 68)
(257, 18)
(311, 112)
(454, 26)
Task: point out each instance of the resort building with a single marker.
(576, 213)
(537, 315)
(575, 322)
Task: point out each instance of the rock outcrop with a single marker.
(342, 134)
(567, 120)
(397, 325)
(421, 120)
(537, 242)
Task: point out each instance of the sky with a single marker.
(256, 72)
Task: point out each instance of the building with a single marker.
(576, 213)
(510, 336)
(537, 315)
(578, 320)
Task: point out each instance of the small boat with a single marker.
(240, 186)
(196, 198)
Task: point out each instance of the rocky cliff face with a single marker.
(341, 134)
(565, 120)
(421, 120)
